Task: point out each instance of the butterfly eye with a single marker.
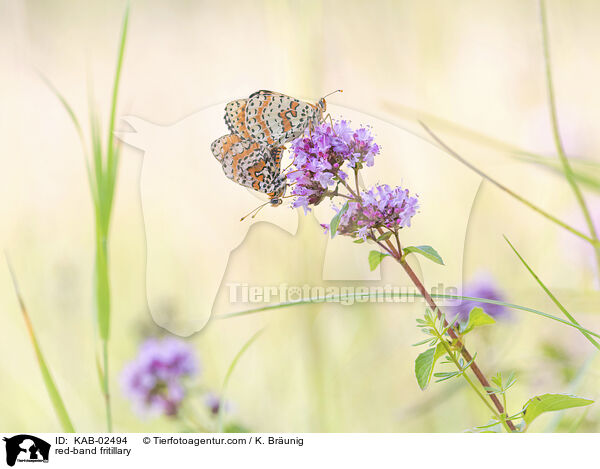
(276, 202)
(323, 104)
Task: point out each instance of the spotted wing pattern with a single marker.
(235, 118)
(276, 119)
(249, 163)
(260, 126)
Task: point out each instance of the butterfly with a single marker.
(272, 118)
(260, 126)
(252, 165)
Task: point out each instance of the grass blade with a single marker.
(71, 113)
(335, 298)
(556, 133)
(102, 175)
(53, 393)
(581, 167)
(106, 174)
(585, 172)
(551, 296)
(521, 199)
(232, 366)
(464, 132)
(112, 158)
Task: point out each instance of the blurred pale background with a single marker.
(321, 368)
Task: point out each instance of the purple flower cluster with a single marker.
(381, 206)
(482, 286)
(154, 380)
(319, 156)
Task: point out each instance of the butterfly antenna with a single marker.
(254, 211)
(333, 92)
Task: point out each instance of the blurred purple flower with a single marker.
(482, 285)
(153, 381)
(213, 403)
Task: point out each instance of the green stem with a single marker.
(102, 286)
(103, 316)
(498, 416)
(504, 416)
(569, 175)
(106, 387)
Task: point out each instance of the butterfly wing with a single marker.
(235, 118)
(249, 163)
(274, 119)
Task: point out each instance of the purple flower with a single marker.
(380, 207)
(482, 285)
(319, 157)
(154, 380)
(363, 232)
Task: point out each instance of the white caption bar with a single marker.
(265, 450)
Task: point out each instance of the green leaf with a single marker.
(385, 236)
(426, 251)
(358, 241)
(51, 389)
(446, 376)
(510, 381)
(375, 258)
(424, 364)
(493, 426)
(335, 221)
(538, 405)
(429, 340)
(477, 317)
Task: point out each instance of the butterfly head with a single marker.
(275, 197)
(322, 104)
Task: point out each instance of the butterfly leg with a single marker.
(328, 116)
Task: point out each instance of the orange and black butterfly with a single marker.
(252, 165)
(260, 126)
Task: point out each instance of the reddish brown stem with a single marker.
(463, 351)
